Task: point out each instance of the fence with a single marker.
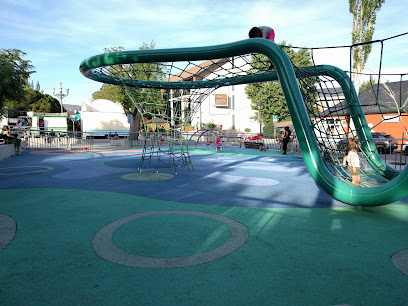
(228, 140)
(396, 158)
(80, 140)
(54, 140)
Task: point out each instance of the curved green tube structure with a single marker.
(394, 190)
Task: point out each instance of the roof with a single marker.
(390, 96)
(333, 92)
(157, 120)
(71, 108)
(385, 105)
(101, 105)
(199, 72)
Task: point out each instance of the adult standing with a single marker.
(286, 139)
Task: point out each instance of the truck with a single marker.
(101, 117)
(47, 122)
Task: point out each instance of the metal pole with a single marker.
(60, 95)
(260, 106)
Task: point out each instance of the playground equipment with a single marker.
(209, 137)
(154, 79)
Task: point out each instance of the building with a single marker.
(389, 114)
(226, 107)
(384, 108)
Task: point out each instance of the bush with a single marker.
(211, 125)
(268, 130)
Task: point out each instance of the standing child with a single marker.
(218, 146)
(353, 161)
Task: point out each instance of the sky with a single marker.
(58, 35)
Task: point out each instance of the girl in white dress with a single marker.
(353, 161)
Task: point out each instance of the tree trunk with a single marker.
(135, 126)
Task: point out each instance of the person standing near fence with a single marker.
(286, 139)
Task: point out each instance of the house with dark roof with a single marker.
(385, 108)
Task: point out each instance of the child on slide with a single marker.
(353, 161)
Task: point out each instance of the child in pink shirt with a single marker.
(217, 143)
(262, 32)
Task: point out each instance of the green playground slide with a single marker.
(395, 189)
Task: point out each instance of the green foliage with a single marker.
(367, 84)
(17, 95)
(247, 130)
(14, 74)
(110, 92)
(364, 17)
(270, 93)
(33, 100)
(129, 97)
(211, 125)
(268, 129)
(116, 94)
(40, 102)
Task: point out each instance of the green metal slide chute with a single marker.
(394, 190)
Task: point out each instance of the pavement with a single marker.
(242, 228)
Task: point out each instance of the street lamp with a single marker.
(260, 107)
(60, 94)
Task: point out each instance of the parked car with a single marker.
(383, 142)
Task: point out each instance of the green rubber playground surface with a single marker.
(78, 233)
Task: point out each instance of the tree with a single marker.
(14, 74)
(117, 94)
(33, 100)
(364, 17)
(269, 129)
(270, 93)
(367, 84)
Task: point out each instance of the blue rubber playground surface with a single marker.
(242, 228)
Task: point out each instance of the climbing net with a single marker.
(168, 94)
(166, 101)
(383, 104)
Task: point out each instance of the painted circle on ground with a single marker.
(124, 163)
(55, 152)
(147, 176)
(105, 248)
(132, 163)
(400, 261)
(116, 151)
(8, 229)
(9, 170)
